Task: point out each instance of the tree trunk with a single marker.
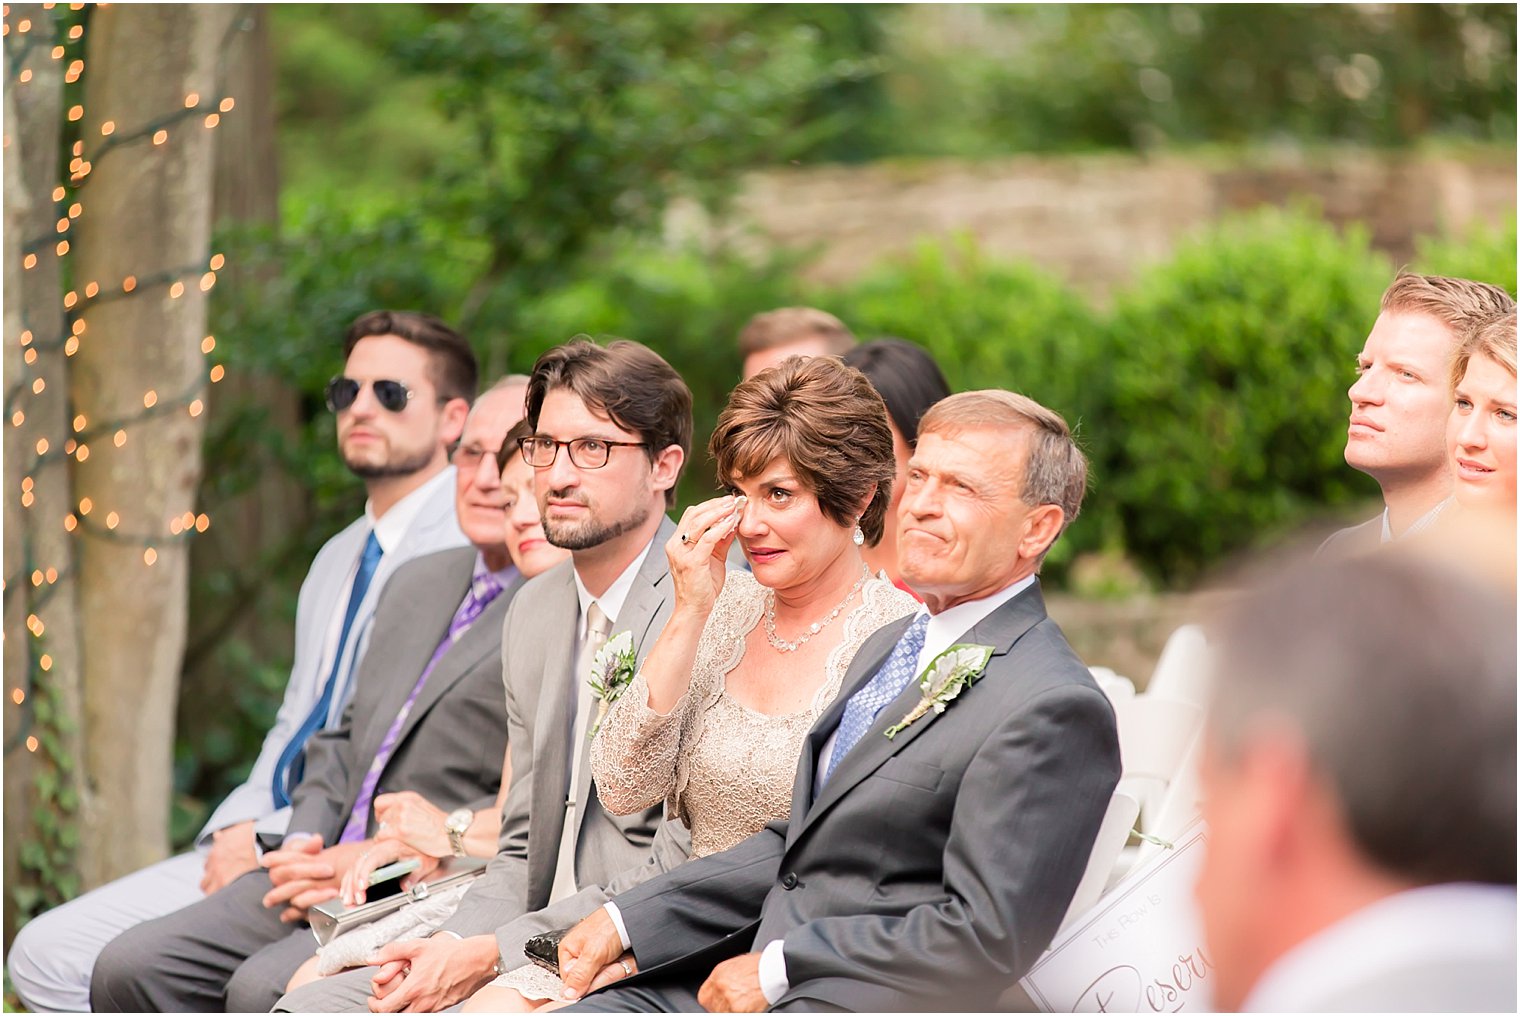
(140, 376)
(42, 706)
(254, 527)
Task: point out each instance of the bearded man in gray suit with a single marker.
(612, 429)
(932, 849)
(399, 405)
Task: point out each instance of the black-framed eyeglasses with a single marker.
(342, 391)
(585, 452)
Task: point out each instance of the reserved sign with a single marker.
(1140, 949)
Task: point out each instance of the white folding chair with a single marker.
(1118, 820)
(1182, 672)
(1154, 734)
(1115, 686)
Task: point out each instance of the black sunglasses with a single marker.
(342, 391)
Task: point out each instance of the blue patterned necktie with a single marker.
(866, 704)
(288, 770)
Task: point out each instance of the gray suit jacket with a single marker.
(934, 867)
(538, 671)
(324, 592)
(451, 746)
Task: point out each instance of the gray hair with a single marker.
(1399, 674)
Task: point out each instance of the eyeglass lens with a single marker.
(343, 391)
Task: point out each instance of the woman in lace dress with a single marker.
(714, 721)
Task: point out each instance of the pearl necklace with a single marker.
(783, 646)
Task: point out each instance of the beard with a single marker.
(593, 532)
(391, 465)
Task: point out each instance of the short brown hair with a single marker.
(1055, 470)
(828, 423)
(786, 325)
(1459, 304)
(629, 382)
(1494, 339)
(451, 362)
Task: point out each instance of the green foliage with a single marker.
(1228, 367)
(1486, 253)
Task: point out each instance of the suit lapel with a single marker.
(551, 729)
(651, 587)
(1001, 629)
(397, 676)
(481, 639)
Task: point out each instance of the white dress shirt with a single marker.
(1425, 928)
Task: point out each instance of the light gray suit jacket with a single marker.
(541, 645)
(323, 593)
(934, 867)
(1357, 539)
(451, 744)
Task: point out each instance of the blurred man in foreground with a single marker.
(1359, 787)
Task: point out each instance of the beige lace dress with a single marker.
(724, 768)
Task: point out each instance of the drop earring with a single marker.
(858, 536)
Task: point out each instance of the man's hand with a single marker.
(305, 875)
(441, 971)
(232, 854)
(734, 986)
(586, 950)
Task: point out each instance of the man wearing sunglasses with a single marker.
(400, 405)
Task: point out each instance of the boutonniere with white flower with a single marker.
(612, 670)
(946, 676)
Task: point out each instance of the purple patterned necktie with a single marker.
(484, 588)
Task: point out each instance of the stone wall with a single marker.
(1095, 219)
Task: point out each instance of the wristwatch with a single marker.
(456, 825)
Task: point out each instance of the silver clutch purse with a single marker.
(330, 919)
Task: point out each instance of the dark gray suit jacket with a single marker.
(933, 868)
(452, 743)
(541, 645)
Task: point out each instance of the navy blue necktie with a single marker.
(292, 763)
(866, 704)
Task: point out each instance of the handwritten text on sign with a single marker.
(1138, 950)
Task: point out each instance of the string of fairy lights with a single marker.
(36, 580)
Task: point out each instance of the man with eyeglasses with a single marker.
(400, 405)
(611, 431)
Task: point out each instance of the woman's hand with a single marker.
(698, 553)
(408, 817)
(377, 855)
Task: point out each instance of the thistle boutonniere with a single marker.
(612, 670)
(946, 676)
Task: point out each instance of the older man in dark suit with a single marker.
(939, 826)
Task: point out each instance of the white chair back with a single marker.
(1118, 820)
(1182, 672)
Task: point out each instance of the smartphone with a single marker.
(543, 950)
(386, 881)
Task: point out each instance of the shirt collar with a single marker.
(611, 601)
(949, 625)
(391, 527)
(1423, 522)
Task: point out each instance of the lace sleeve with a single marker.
(636, 758)
(633, 757)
